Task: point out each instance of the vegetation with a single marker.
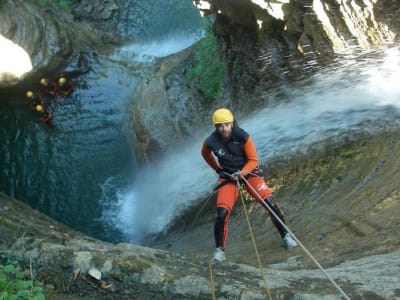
(63, 4)
(208, 71)
(14, 285)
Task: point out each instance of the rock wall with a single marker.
(175, 108)
(37, 32)
(53, 39)
(292, 35)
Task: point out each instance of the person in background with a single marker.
(45, 115)
(35, 98)
(49, 87)
(231, 152)
(64, 87)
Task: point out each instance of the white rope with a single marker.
(297, 240)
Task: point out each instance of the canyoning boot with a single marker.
(289, 242)
(219, 255)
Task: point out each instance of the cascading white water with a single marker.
(354, 97)
(144, 52)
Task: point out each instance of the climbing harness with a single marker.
(293, 236)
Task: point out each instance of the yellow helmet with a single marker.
(29, 94)
(43, 81)
(62, 80)
(222, 115)
(39, 108)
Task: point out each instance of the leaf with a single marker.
(37, 290)
(39, 297)
(23, 284)
(8, 269)
(23, 294)
(20, 275)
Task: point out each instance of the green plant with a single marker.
(64, 4)
(14, 286)
(208, 70)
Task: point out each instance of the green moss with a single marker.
(207, 74)
(132, 265)
(317, 171)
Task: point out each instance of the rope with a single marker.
(260, 266)
(296, 239)
(212, 283)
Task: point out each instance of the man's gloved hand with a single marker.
(237, 175)
(222, 174)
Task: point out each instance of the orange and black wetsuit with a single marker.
(238, 153)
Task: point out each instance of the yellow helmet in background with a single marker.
(29, 94)
(62, 80)
(43, 81)
(222, 115)
(39, 108)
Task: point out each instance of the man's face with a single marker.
(225, 129)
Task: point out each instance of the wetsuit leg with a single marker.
(275, 208)
(220, 229)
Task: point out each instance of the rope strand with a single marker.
(212, 283)
(296, 239)
(260, 266)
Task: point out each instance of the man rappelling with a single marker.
(231, 152)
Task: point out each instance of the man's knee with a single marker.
(219, 227)
(274, 207)
(270, 202)
(221, 214)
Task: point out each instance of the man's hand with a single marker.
(220, 172)
(237, 175)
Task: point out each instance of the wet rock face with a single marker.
(265, 44)
(176, 108)
(55, 38)
(335, 24)
(294, 34)
(38, 32)
(52, 39)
